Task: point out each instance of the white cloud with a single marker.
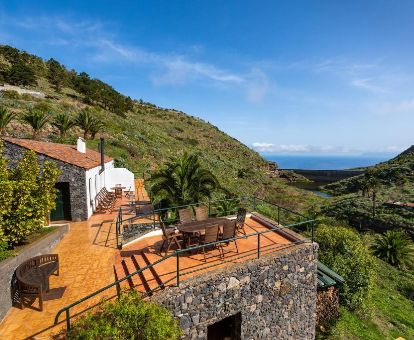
(301, 148)
(271, 148)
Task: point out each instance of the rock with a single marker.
(233, 283)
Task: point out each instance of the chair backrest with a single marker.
(201, 213)
(185, 215)
(229, 229)
(211, 234)
(241, 216)
(164, 232)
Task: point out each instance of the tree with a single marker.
(394, 247)
(373, 185)
(343, 250)
(129, 317)
(85, 121)
(27, 195)
(5, 118)
(182, 180)
(95, 127)
(56, 74)
(37, 119)
(21, 74)
(227, 206)
(63, 122)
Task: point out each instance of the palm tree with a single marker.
(37, 120)
(373, 185)
(84, 121)
(182, 180)
(5, 118)
(95, 127)
(63, 122)
(227, 206)
(394, 247)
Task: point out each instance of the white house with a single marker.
(84, 173)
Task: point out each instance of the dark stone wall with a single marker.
(8, 266)
(75, 176)
(327, 176)
(276, 296)
(327, 305)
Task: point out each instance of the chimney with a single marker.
(102, 150)
(80, 145)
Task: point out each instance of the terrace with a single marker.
(117, 250)
(143, 265)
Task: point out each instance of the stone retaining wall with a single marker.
(8, 266)
(276, 296)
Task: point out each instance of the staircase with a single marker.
(145, 282)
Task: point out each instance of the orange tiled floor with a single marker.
(139, 254)
(86, 256)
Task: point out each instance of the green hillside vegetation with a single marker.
(139, 135)
(360, 200)
(143, 137)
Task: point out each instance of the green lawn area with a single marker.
(6, 253)
(389, 312)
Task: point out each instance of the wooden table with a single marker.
(199, 226)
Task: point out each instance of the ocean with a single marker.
(317, 162)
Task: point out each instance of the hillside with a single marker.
(139, 135)
(358, 199)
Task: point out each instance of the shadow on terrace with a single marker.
(161, 247)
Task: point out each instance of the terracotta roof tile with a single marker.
(63, 152)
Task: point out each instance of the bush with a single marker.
(394, 247)
(27, 195)
(343, 250)
(128, 318)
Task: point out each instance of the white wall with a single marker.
(121, 176)
(95, 181)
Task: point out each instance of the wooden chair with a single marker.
(241, 217)
(185, 215)
(211, 235)
(201, 213)
(229, 232)
(170, 236)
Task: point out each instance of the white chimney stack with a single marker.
(81, 146)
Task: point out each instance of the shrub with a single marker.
(343, 250)
(27, 195)
(394, 247)
(128, 318)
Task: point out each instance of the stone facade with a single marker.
(275, 295)
(327, 305)
(74, 175)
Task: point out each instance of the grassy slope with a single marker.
(149, 135)
(389, 313)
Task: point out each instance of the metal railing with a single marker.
(179, 272)
(274, 211)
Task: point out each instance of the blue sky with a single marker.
(330, 77)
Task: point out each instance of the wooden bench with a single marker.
(33, 277)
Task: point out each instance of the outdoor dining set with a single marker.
(201, 231)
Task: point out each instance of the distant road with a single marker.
(327, 176)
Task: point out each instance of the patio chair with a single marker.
(229, 232)
(211, 235)
(185, 215)
(241, 217)
(170, 236)
(201, 213)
